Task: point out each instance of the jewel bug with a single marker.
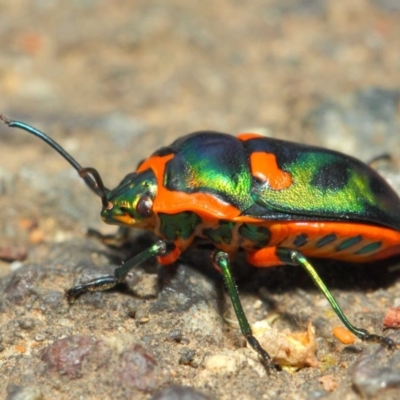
(280, 202)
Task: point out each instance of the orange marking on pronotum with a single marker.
(209, 208)
(247, 136)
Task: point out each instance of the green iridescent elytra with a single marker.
(326, 185)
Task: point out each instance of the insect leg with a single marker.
(109, 281)
(221, 262)
(117, 239)
(294, 257)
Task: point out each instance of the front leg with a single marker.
(106, 282)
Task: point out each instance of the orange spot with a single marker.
(343, 335)
(248, 136)
(265, 168)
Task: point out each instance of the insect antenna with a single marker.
(89, 175)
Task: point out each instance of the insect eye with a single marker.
(144, 207)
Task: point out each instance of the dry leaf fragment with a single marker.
(288, 349)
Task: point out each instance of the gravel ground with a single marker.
(102, 77)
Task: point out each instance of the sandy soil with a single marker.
(114, 81)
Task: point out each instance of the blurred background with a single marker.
(113, 81)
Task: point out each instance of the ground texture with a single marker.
(114, 81)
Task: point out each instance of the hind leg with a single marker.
(272, 256)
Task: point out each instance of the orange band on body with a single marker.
(209, 207)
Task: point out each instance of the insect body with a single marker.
(279, 202)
